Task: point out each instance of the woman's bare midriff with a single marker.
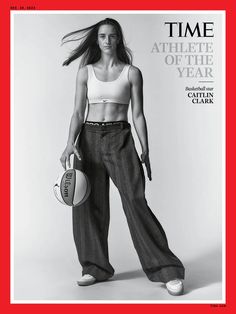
(100, 112)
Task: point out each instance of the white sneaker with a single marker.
(86, 280)
(175, 287)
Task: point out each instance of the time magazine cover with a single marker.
(117, 141)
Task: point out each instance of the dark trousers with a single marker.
(109, 151)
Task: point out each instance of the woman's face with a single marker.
(107, 39)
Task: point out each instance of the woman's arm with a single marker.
(79, 106)
(77, 118)
(138, 117)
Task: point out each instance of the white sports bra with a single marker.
(117, 91)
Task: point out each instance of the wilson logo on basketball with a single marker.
(67, 183)
(72, 187)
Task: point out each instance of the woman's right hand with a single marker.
(65, 157)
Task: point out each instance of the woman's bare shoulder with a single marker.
(82, 74)
(135, 73)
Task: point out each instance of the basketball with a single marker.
(72, 187)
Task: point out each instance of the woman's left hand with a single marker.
(146, 161)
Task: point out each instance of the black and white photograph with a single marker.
(118, 156)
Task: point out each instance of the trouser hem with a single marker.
(165, 274)
(97, 272)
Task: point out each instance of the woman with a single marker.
(105, 148)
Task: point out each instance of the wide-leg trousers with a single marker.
(108, 151)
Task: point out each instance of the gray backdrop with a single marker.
(186, 151)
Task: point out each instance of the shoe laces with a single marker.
(87, 276)
(174, 282)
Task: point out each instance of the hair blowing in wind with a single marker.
(88, 48)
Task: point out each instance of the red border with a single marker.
(227, 5)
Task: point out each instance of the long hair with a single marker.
(89, 49)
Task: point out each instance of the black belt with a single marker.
(104, 123)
